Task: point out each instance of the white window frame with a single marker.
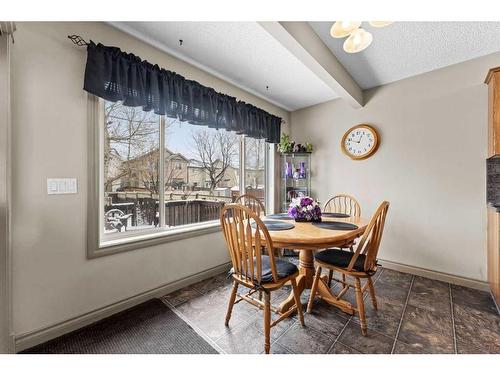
(97, 246)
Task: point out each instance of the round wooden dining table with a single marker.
(308, 238)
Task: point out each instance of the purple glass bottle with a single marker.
(302, 173)
(288, 169)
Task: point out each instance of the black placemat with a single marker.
(335, 225)
(282, 216)
(334, 214)
(275, 225)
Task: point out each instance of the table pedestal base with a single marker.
(326, 294)
(305, 281)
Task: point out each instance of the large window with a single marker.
(159, 174)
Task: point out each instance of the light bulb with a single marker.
(358, 41)
(346, 24)
(341, 29)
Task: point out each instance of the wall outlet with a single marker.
(62, 186)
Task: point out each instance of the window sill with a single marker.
(128, 243)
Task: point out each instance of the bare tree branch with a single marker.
(217, 151)
(128, 132)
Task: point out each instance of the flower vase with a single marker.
(304, 209)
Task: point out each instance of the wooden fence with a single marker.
(143, 209)
(191, 211)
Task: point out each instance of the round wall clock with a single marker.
(360, 142)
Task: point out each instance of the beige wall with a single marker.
(430, 164)
(52, 279)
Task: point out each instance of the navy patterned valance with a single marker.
(118, 76)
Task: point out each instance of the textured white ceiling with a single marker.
(405, 49)
(242, 53)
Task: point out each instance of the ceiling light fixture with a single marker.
(379, 24)
(358, 38)
(341, 29)
(358, 41)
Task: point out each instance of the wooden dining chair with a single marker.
(252, 202)
(343, 204)
(246, 236)
(256, 205)
(361, 264)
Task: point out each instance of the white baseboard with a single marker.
(29, 339)
(435, 275)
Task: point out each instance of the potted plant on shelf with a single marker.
(304, 209)
(286, 146)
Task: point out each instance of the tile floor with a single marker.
(415, 315)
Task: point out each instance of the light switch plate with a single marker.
(62, 186)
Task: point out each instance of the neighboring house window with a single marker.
(200, 172)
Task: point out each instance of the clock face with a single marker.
(360, 142)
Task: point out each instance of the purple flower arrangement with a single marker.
(304, 209)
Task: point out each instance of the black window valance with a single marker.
(118, 76)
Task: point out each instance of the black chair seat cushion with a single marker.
(340, 258)
(283, 269)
